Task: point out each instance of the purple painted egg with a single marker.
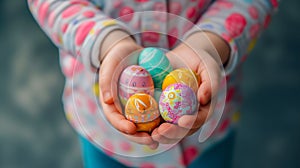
(177, 100)
(134, 79)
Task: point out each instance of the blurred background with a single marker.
(34, 131)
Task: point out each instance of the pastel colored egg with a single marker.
(142, 109)
(156, 63)
(177, 100)
(184, 76)
(148, 126)
(134, 79)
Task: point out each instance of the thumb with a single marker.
(106, 81)
(210, 80)
(112, 67)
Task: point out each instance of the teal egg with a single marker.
(156, 63)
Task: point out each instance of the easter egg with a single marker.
(134, 79)
(148, 126)
(142, 109)
(184, 76)
(177, 100)
(156, 63)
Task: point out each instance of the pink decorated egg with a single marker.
(134, 79)
(177, 100)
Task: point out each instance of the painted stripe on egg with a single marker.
(132, 87)
(168, 70)
(158, 64)
(148, 56)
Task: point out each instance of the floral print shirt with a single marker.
(77, 28)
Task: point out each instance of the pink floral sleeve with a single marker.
(75, 26)
(239, 22)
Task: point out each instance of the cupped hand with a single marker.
(204, 65)
(108, 83)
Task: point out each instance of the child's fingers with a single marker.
(195, 121)
(107, 71)
(154, 145)
(173, 131)
(117, 119)
(162, 139)
(210, 80)
(142, 138)
(205, 90)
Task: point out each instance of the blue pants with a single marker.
(219, 156)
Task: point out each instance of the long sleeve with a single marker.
(239, 22)
(75, 26)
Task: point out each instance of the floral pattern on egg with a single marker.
(177, 100)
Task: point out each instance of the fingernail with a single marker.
(106, 96)
(153, 146)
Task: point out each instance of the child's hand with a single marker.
(115, 52)
(203, 63)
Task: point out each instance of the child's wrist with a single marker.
(211, 43)
(112, 39)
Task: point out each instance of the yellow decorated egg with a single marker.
(184, 76)
(142, 109)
